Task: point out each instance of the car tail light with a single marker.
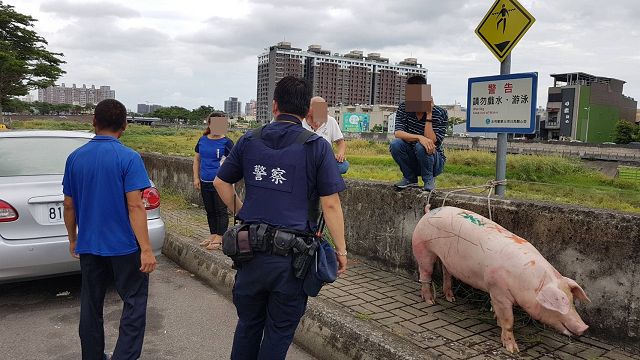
(151, 198)
(7, 212)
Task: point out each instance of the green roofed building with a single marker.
(586, 107)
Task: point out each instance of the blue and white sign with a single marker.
(503, 103)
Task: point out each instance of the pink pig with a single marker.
(488, 257)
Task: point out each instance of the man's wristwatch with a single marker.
(341, 253)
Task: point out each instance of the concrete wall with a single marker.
(600, 249)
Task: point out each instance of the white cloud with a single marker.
(88, 10)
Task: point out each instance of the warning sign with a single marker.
(503, 26)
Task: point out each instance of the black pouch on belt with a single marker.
(304, 251)
(258, 237)
(236, 244)
(282, 242)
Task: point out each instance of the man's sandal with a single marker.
(214, 245)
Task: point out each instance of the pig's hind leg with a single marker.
(447, 284)
(426, 260)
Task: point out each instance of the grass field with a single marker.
(546, 178)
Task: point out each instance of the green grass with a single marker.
(530, 177)
(629, 173)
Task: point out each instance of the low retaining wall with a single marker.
(600, 249)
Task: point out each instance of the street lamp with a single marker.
(586, 136)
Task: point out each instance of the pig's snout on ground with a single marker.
(578, 329)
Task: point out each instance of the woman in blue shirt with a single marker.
(211, 150)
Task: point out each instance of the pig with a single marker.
(486, 256)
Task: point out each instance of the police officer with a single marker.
(284, 178)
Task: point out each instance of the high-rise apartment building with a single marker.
(250, 108)
(143, 109)
(146, 108)
(75, 95)
(233, 107)
(349, 79)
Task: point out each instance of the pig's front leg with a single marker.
(503, 308)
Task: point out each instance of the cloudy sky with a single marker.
(191, 52)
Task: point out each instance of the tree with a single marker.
(199, 114)
(454, 121)
(626, 132)
(14, 105)
(25, 63)
(43, 108)
(172, 113)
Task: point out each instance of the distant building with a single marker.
(638, 115)
(147, 109)
(75, 95)
(233, 107)
(27, 98)
(250, 108)
(455, 111)
(349, 79)
(143, 109)
(586, 107)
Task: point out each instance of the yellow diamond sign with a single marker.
(503, 26)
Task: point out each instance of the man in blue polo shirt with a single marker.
(107, 225)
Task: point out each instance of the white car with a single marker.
(33, 238)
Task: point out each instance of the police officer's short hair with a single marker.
(110, 115)
(293, 96)
(416, 79)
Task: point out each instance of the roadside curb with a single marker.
(326, 330)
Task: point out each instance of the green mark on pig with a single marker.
(472, 219)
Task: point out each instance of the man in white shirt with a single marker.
(319, 121)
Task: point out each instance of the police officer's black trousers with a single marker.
(132, 286)
(270, 302)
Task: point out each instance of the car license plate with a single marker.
(54, 213)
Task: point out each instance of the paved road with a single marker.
(186, 319)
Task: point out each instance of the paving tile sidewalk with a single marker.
(460, 330)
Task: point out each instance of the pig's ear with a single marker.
(577, 291)
(552, 298)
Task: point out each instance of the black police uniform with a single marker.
(282, 178)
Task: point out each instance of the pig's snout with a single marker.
(580, 329)
(576, 327)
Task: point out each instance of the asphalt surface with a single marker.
(185, 319)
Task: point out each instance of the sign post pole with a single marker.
(501, 28)
(501, 146)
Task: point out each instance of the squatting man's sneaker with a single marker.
(404, 183)
(429, 185)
